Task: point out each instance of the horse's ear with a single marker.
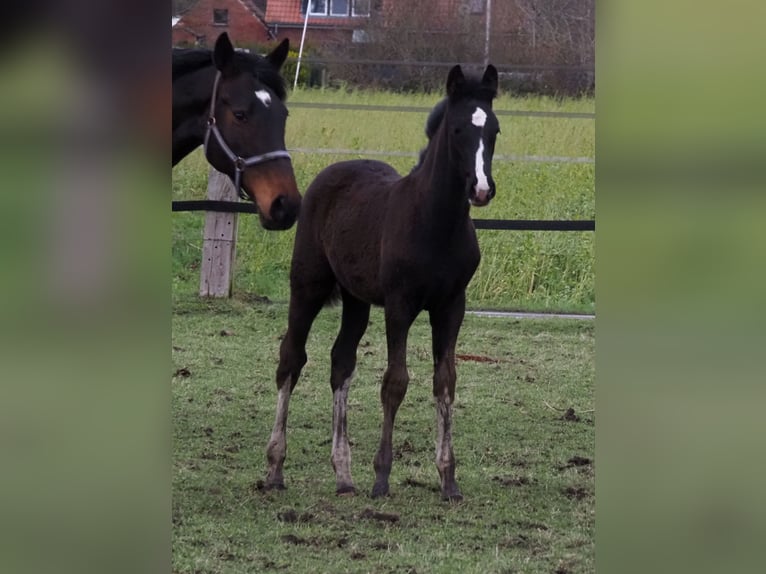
(489, 79)
(455, 80)
(278, 55)
(223, 53)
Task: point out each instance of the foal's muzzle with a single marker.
(480, 195)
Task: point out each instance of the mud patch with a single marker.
(370, 514)
(575, 492)
(293, 539)
(477, 358)
(576, 462)
(570, 415)
(513, 480)
(291, 516)
(418, 484)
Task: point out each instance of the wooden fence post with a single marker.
(219, 240)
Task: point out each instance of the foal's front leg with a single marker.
(395, 381)
(445, 325)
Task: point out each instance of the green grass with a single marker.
(527, 508)
(520, 270)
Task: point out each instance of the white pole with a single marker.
(303, 37)
(488, 21)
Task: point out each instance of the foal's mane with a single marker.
(472, 88)
(186, 61)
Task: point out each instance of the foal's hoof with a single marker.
(274, 486)
(379, 489)
(345, 490)
(453, 496)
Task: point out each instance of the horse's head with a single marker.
(250, 115)
(472, 129)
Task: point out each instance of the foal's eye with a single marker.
(240, 116)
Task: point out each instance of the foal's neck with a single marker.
(444, 194)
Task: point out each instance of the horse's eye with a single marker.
(240, 116)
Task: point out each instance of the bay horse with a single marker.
(233, 103)
(406, 243)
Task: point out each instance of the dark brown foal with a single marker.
(406, 243)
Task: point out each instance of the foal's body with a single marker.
(406, 243)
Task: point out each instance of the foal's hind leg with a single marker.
(445, 325)
(305, 304)
(356, 314)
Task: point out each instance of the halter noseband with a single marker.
(240, 163)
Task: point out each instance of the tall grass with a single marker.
(519, 270)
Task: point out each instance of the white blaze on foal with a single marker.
(479, 118)
(264, 96)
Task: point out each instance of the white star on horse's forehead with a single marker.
(264, 96)
(479, 117)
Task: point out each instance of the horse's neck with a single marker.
(443, 194)
(190, 109)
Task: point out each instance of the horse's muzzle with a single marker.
(480, 196)
(273, 188)
(283, 213)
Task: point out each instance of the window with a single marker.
(340, 8)
(476, 6)
(318, 7)
(220, 17)
(361, 8)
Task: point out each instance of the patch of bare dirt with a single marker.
(293, 539)
(577, 462)
(371, 514)
(570, 415)
(419, 484)
(576, 492)
(292, 516)
(477, 358)
(512, 480)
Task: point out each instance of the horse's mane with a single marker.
(472, 88)
(186, 61)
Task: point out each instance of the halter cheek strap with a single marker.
(240, 163)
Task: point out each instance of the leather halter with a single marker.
(239, 162)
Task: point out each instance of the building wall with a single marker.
(244, 28)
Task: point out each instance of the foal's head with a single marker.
(471, 128)
(251, 115)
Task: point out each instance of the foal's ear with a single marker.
(455, 81)
(278, 55)
(223, 54)
(489, 79)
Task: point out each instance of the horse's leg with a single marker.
(305, 304)
(445, 325)
(399, 318)
(356, 315)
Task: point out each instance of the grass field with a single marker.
(519, 270)
(525, 464)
